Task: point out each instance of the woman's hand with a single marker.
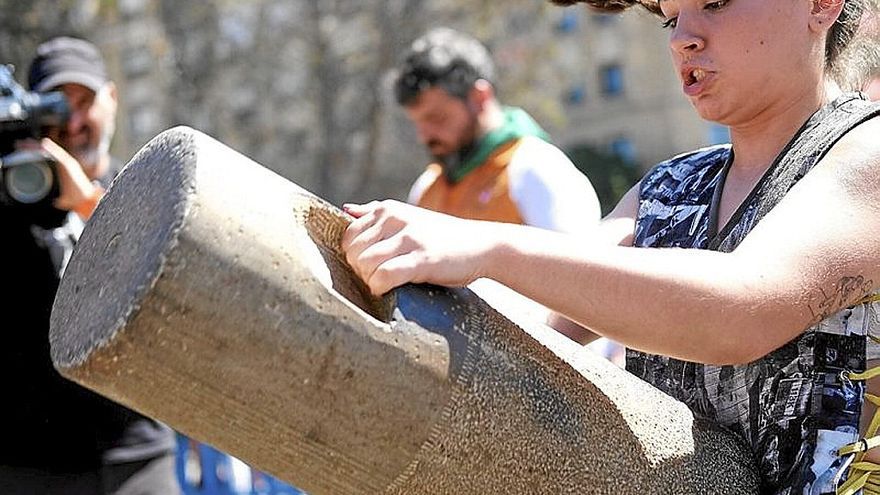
(391, 243)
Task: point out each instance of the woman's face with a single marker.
(738, 58)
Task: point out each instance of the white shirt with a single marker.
(549, 191)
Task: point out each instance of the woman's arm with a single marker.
(616, 229)
(814, 254)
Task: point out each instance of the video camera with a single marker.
(27, 177)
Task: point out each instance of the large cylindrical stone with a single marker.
(209, 293)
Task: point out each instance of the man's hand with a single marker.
(76, 191)
(391, 243)
(75, 187)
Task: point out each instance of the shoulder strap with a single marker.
(803, 152)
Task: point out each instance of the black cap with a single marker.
(67, 60)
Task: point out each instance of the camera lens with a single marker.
(29, 183)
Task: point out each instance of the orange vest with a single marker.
(483, 194)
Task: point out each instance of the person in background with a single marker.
(490, 161)
(57, 437)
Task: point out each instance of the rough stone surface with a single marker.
(209, 293)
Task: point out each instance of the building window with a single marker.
(718, 134)
(611, 79)
(568, 23)
(624, 149)
(605, 19)
(576, 94)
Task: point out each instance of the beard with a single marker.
(453, 160)
(91, 156)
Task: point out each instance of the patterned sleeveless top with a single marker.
(791, 406)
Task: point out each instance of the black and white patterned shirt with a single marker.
(791, 406)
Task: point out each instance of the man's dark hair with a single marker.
(444, 58)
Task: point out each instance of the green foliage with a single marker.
(611, 176)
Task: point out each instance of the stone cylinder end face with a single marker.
(121, 252)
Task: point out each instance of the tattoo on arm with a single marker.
(847, 291)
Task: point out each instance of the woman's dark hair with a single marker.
(860, 62)
(613, 5)
(839, 37)
(444, 58)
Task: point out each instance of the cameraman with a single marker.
(59, 438)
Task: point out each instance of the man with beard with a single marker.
(57, 437)
(491, 162)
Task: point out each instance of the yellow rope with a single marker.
(863, 445)
(863, 475)
(867, 375)
(853, 484)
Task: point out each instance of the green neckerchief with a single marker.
(517, 124)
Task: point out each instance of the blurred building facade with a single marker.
(622, 94)
(302, 86)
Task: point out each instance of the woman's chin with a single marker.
(711, 111)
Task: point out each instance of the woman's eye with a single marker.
(716, 5)
(669, 23)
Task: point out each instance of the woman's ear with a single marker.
(824, 14)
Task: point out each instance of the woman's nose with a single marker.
(686, 37)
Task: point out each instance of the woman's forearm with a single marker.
(695, 305)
